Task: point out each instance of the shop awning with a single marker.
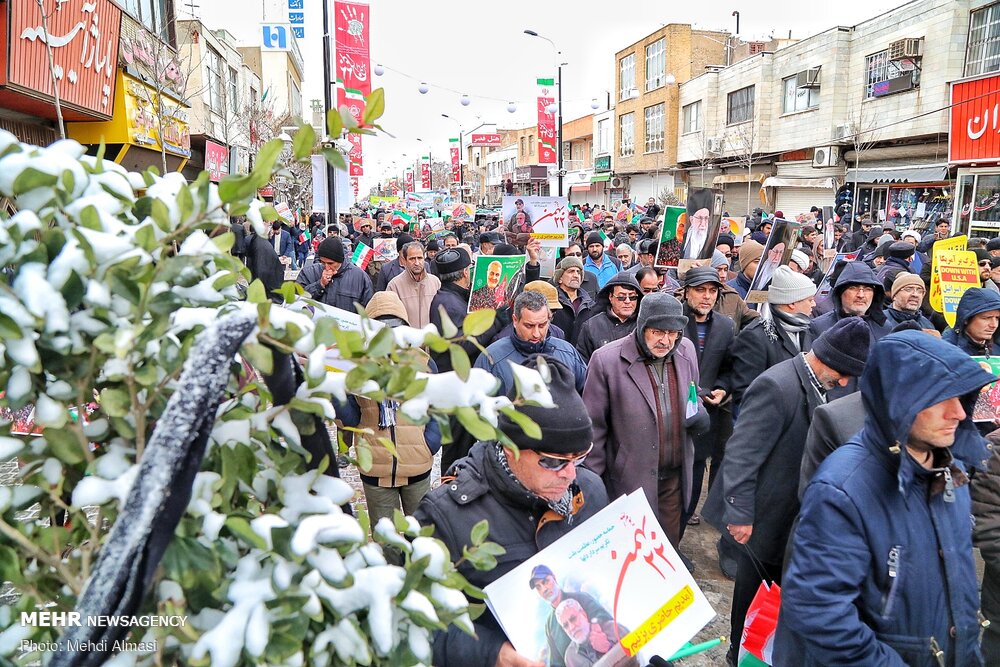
(600, 178)
(792, 182)
(579, 188)
(738, 178)
(919, 173)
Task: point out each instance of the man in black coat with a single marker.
(757, 498)
(332, 279)
(518, 496)
(712, 335)
(614, 315)
(781, 332)
(264, 264)
(240, 234)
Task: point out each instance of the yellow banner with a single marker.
(954, 243)
(958, 271)
(661, 618)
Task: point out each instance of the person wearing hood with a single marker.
(750, 254)
(856, 293)
(756, 499)
(332, 279)
(781, 332)
(713, 334)
(639, 396)
(530, 498)
(614, 316)
(578, 304)
(881, 570)
(531, 337)
(899, 255)
(976, 322)
(907, 293)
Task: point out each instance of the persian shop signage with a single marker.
(145, 115)
(84, 36)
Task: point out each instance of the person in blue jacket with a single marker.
(881, 569)
(976, 321)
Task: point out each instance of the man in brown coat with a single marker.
(415, 286)
(639, 396)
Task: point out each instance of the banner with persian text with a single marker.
(456, 165)
(352, 40)
(546, 123)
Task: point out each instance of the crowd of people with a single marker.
(835, 426)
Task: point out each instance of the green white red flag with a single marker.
(362, 255)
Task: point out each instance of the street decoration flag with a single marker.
(352, 38)
(546, 123)
(362, 255)
(456, 165)
(757, 643)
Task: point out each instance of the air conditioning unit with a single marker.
(911, 47)
(714, 145)
(826, 156)
(808, 78)
(617, 182)
(843, 132)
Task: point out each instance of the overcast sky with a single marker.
(479, 48)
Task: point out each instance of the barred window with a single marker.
(983, 53)
(879, 69)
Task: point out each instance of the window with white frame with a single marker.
(801, 91)
(691, 117)
(603, 136)
(739, 106)
(234, 91)
(626, 76)
(656, 63)
(654, 128)
(983, 52)
(627, 129)
(878, 69)
(213, 64)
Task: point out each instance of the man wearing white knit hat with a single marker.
(781, 332)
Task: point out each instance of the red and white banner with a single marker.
(425, 174)
(456, 165)
(216, 161)
(354, 184)
(354, 157)
(492, 140)
(409, 180)
(546, 124)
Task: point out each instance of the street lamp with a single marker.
(461, 173)
(559, 122)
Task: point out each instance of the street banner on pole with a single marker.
(425, 173)
(352, 39)
(409, 180)
(546, 123)
(456, 165)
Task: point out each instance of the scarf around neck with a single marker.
(563, 506)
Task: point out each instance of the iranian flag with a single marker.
(401, 218)
(757, 642)
(362, 255)
(608, 243)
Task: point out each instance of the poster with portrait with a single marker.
(668, 253)
(385, 249)
(544, 218)
(777, 252)
(734, 227)
(987, 408)
(495, 281)
(825, 286)
(689, 233)
(621, 593)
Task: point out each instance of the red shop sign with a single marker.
(975, 121)
(216, 161)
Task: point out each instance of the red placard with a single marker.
(546, 132)
(216, 161)
(85, 41)
(354, 157)
(486, 140)
(975, 121)
(456, 166)
(425, 175)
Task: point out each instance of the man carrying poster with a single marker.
(495, 280)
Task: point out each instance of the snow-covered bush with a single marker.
(109, 276)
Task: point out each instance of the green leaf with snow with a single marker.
(530, 428)
(474, 424)
(460, 362)
(31, 178)
(240, 527)
(115, 402)
(478, 322)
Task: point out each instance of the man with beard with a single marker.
(652, 208)
(701, 232)
(907, 294)
(415, 286)
(857, 293)
(598, 263)
(494, 293)
(976, 321)
(756, 499)
(577, 303)
(614, 316)
(544, 583)
(591, 644)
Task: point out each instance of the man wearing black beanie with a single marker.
(529, 498)
(392, 269)
(332, 279)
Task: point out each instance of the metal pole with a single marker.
(430, 158)
(331, 181)
(461, 175)
(559, 126)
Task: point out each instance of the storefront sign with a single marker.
(216, 161)
(145, 123)
(975, 121)
(486, 140)
(84, 36)
(602, 163)
(529, 173)
(275, 37)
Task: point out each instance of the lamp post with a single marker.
(461, 174)
(331, 182)
(559, 121)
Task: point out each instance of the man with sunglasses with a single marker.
(614, 315)
(530, 498)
